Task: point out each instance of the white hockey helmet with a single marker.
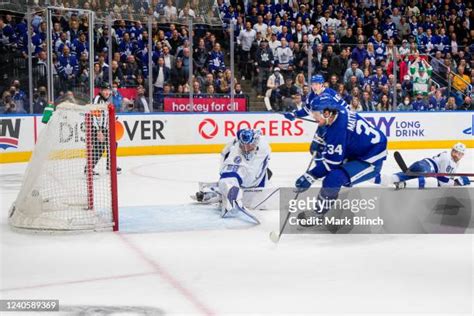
(460, 147)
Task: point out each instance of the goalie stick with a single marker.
(403, 166)
(275, 236)
(246, 212)
(267, 198)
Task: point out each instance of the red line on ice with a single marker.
(37, 286)
(192, 298)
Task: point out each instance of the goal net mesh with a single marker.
(67, 184)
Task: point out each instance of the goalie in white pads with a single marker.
(244, 165)
(445, 162)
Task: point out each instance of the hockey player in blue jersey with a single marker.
(349, 150)
(318, 92)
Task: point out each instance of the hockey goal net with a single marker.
(71, 180)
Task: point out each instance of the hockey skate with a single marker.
(400, 185)
(208, 193)
(206, 197)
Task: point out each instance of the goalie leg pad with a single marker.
(231, 194)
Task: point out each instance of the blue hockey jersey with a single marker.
(78, 47)
(68, 66)
(351, 137)
(126, 49)
(327, 99)
(216, 61)
(390, 30)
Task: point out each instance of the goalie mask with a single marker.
(248, 142)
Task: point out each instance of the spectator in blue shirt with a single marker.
(419, 104)
(407, 85)
(437, 102)
(354, 71)
(359, 53)
(378, 80)
(117, 98)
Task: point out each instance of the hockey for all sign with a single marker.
(205, 105)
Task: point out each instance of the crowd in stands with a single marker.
(171, 56)
(397, 55)
(359, 47)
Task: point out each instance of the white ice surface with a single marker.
(196, 263)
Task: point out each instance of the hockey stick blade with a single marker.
(400, 162)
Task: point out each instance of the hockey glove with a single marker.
(462, 181)
(289, 116)
(304, 182)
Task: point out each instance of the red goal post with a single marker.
(70, 183)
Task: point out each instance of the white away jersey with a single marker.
(444, 163)
(251, 172)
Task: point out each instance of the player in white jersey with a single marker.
(445, 162)
(244, 165)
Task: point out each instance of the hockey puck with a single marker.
(274, 237)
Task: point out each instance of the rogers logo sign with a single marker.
(208, 128)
